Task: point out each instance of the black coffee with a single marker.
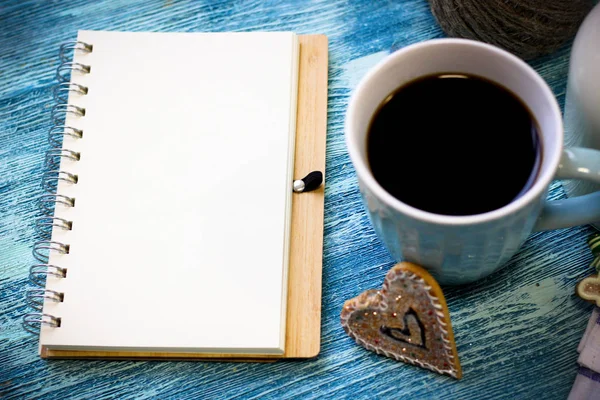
(454, 144)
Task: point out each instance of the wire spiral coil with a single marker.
(37, 271)
(33, 321)
(51, 179)
(36, 297)
(47, 202)
(58, 132)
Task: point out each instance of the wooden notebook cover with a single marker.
(303, 330)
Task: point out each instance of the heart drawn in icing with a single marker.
(589, 289)
(407, 320)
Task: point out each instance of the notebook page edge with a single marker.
(289, 198)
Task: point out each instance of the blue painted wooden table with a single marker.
(516, 332)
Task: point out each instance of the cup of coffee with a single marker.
(455, 143)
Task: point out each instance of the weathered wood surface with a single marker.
(516, 332)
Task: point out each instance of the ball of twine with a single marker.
(526, 28)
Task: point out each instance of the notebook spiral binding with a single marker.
(45, 224)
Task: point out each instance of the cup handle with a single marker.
(575, 163)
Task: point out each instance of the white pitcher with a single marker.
(582, 104)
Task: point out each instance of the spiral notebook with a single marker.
(171, 227)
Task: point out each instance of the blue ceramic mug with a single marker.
(463, 249)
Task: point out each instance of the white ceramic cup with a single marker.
(462, 249)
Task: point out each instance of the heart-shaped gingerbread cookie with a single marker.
(589, 289)
(407, 320)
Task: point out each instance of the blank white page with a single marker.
(180, 234)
